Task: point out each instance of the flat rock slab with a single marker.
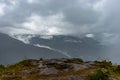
(47, 71)
(79, 67)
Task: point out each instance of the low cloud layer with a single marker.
(66, 17)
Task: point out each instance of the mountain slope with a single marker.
(12, 50)
(86, 47)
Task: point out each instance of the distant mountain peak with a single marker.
(68, 45)
(12, 50)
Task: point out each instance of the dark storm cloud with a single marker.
(81, 16)
(99, 18)
(73, 17)
(74, 12)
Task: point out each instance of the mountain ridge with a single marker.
(12, 50)
(71, 45)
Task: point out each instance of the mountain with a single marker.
(13, 50)
(84, 47)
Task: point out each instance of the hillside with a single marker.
(12, 50)
(60, 69)
(70, 45)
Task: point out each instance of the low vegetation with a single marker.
(2, 66)
(99, 75)
(64, 70)
(117, 69)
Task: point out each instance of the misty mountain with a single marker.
(13, 50)
(84, 47)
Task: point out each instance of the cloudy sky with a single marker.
(67, 17)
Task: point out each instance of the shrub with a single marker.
(41, 59)
(99, 75)
(2, 66)
(117, 69)
(25, 63)
(62, 66)
(21, 64)
(104, 63)
(75, 60)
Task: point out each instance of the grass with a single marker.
(104, 64)
(21, 64)
(117, 69)
(99, 75)
(2, 66)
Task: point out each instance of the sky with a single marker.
(62, 17)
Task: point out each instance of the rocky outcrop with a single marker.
(57, 69)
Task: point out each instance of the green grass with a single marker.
(2, 66)
(99, 75)
(104, 64)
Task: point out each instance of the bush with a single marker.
(75, 60)
(2, 66)
(104, 63)
(117, 69)
(99, 75)
(21, 64)
(62, 66)
(25, 63)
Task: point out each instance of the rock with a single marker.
(41, 65)
(63, 66)
(54, 69)
(79, 67)
(32, 71)
(8, 74)
(90, 63)
(66, 66)
(47, 71)
(25, 72)
(110, 78)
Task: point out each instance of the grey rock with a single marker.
(79, 67)
(112, 78)
(47, 71)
